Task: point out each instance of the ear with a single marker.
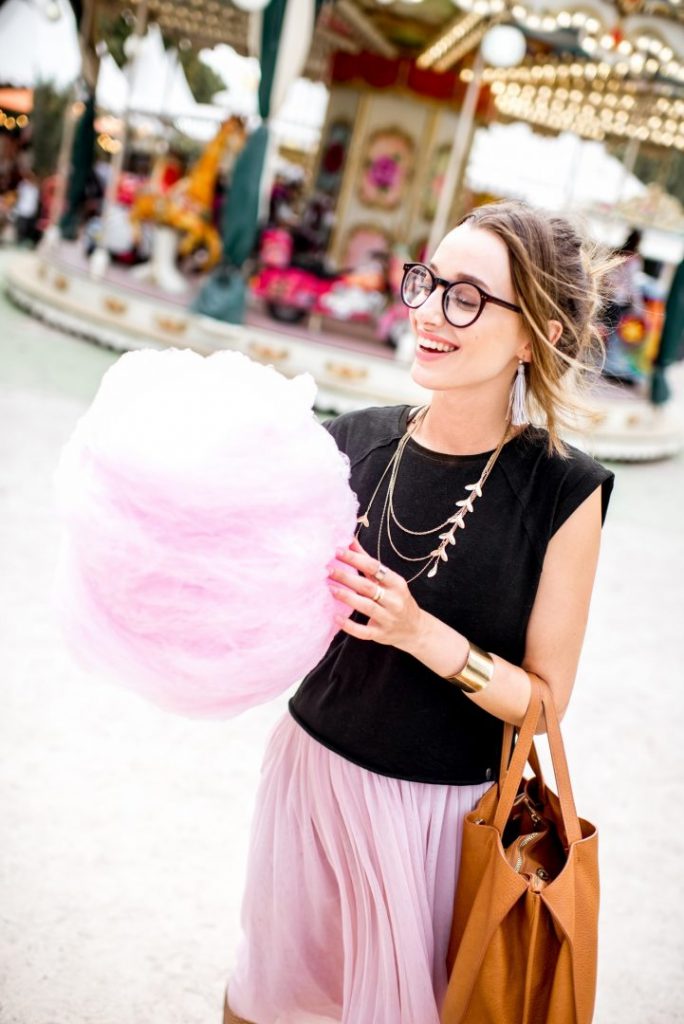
(554, 331)
(525, 351)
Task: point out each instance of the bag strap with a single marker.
(540, 697)
(533, 760)
(561, 771)
(513, 777)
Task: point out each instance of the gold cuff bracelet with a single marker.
(477, 672)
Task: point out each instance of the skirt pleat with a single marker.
(350, 885)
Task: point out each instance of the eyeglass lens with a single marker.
(462, 301)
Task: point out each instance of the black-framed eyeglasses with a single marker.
(462, 301)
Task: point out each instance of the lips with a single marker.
(446, 347)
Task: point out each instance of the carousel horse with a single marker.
(186, 207)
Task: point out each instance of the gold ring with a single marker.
(381, 573)
(379, 594)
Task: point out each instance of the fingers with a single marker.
(366, 605)
(365, 563)
(361, 584)
(356, 629)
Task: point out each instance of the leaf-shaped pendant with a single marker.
(363, 520)
(448, 537)
(466, 503)
(475, 487)
(433, 571)
(443, 555)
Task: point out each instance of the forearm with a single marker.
(444, 650)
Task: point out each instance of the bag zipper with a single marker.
(521, 847)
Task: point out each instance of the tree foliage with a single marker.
(47, 120)
(203, 81)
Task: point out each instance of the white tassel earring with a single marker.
(518, 393)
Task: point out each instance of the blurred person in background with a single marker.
(27, 209)
(625, 299)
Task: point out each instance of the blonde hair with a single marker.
(557, 275)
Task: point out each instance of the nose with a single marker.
(431, 314)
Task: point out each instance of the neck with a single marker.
(464, 422)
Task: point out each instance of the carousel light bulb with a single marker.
(503, 46)
(589, 44)
(548, 24)
(652, 65)
(533, 21)
(592, 26)
(624, 46)
(564, 19)
(666, 54)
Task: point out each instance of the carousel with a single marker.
(287, 244)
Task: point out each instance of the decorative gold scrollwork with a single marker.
(114, 305)
(346, 372)
(171, 325)
(267, 353)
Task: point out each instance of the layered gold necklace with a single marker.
(450, 527)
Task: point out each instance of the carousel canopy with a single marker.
(38, 43)
(595, 68)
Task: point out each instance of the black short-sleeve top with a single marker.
(382, 708)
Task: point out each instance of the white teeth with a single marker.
(435, 346)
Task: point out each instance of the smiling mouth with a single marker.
(428, 345)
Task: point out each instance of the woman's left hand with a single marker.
(382, 595)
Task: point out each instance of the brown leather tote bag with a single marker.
(524, 936)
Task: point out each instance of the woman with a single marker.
(477, 534)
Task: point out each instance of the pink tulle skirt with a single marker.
(350, 887)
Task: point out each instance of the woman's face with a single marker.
(487, 350)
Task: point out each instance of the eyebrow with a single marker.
(462, 277)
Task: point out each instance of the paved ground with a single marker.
(124, 829)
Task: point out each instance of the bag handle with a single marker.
(532, 759)
(507, 750)
(540, 697)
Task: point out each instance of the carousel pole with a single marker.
(99, 261)
(458, 156)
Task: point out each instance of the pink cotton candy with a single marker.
(202, 504)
